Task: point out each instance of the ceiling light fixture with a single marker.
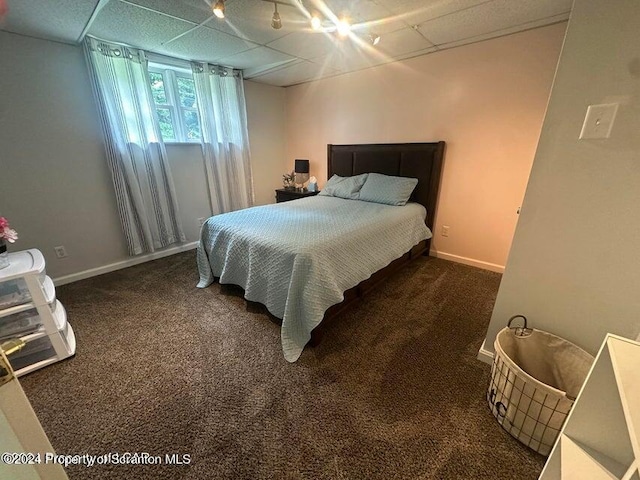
(343, 27)
(375, 39)
(316, 23)
(276, 21)
(218, 9)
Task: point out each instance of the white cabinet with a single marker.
(601, 437)
(29, 311)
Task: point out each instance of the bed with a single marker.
(308, 259)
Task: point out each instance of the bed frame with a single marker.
(417, 160)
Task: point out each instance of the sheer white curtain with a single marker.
(137, 157)
(225, 140)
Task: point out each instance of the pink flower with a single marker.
(7, 233)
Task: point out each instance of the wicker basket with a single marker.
(535, 379)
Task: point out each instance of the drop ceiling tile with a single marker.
(377, 20)
(62, 20)
(414, 12)
(339, 8)
(380, 26)
(366, 55)
(350, 59)
(251, 19)
(346, 63)
(257, 58)
(507, 31)
(365, 16)
(238, 40)
(205, 44)
(417, 53)
(307, 45)
(356, 53)
(353, 10)
(122, 22)
(402, 42)
(490, 17)
(196, 11)
(298, 73)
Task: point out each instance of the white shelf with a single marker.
(36, 366)
(577, 464)
(60, 317)
(625, 360)
(35, 335)
(54, 339)
(16, 309)
(48, 293)
(56, 356)
(600, 439)
(71, 342)
(27, 262)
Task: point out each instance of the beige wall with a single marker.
(55, 186)
(574, 267)
(55, 183)
(486, 100)
(266, 124)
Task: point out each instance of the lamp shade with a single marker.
(302, 166)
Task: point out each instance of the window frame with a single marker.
(170, 75)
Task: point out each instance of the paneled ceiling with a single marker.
(295, 53)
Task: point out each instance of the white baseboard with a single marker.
(93, 272)
(485, 355)
(467, 261)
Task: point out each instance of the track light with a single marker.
(218, 9)
(316, 23)
(374, 39)
(276, 21)
(343, 27)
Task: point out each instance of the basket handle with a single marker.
(517, 316)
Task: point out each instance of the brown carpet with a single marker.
(394, 391)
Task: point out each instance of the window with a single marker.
(175, 96)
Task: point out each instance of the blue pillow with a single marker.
(344, 187)
(387, 189)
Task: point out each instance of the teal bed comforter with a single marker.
(298, 258)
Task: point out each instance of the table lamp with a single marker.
(302, 173)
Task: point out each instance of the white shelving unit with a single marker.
(29, 311)
(601, 437)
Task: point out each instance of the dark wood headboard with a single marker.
(417, 160)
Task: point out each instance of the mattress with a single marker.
(298, 258)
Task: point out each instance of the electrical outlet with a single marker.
(445, 230)
(61, 252)
(201, 220)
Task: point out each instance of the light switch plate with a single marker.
(598, 122)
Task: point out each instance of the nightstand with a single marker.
(284, 195)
